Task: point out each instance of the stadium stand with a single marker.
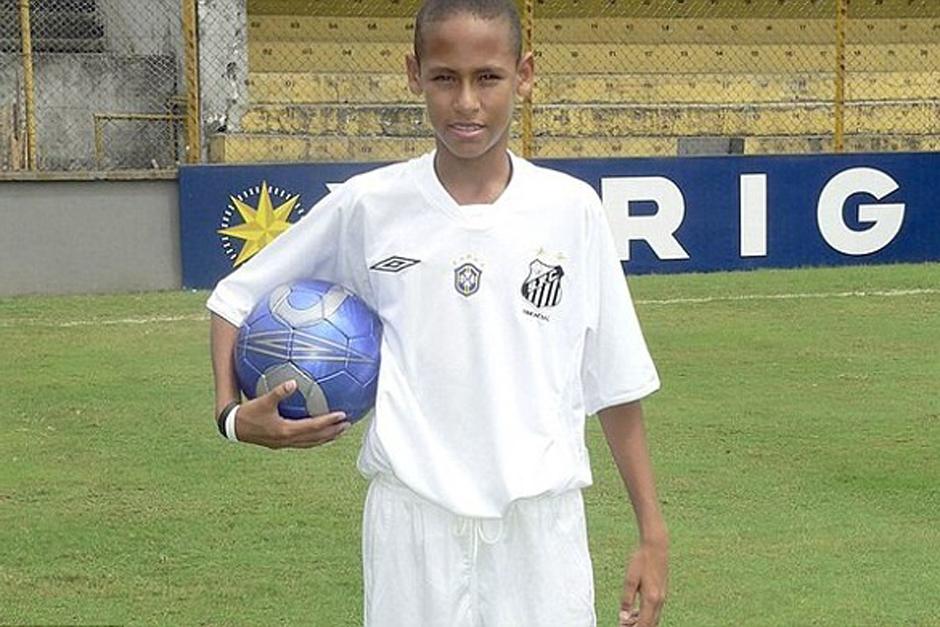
(326, 79)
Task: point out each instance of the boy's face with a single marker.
(470, 76)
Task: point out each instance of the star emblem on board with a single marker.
(260, 225)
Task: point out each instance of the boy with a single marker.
(506, 321)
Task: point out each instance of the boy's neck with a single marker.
(479, 181)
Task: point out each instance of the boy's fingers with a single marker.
(628, 618)
(281, 392)
(628, 600)
(312, 431)
(323, 436)
(649, 612)
(320, 422)
(629, 613)
(321, 439)
(311, 425)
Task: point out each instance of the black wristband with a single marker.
(220, 421)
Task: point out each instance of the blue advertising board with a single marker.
(688, 214)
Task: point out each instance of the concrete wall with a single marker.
(150, 28)
(223, 65)
(70, 89)
(10, 107)
(88, 236)
(134, 67)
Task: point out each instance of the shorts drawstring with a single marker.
(475, 528)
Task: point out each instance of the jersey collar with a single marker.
(479, 216)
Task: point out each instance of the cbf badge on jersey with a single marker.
(468, 273)
(542, 287)
(467, 279)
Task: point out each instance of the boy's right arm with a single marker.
(258, 420)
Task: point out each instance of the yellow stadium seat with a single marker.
(715, 88)
(326, 78)
(588, 30)
(740, 30)
(257, 148)
(371, 57)
(683, 120)
(794, 9)
(274, 28)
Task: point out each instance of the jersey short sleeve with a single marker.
(325, 244)
(616, 367)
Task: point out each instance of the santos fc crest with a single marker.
(542, 287)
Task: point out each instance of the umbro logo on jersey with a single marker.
(394, 264)
(542, 287)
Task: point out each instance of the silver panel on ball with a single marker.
(308, 388)
(280, 306)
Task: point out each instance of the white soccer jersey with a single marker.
(504, 325)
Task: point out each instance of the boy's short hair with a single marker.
(437, 10)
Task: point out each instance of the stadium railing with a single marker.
(105, 85)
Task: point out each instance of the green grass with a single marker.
(795, 443)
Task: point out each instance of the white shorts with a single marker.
(424, 566)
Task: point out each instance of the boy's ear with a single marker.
(413, 67)
(526, 75)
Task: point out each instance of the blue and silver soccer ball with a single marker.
(322, 336)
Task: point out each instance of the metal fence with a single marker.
(736, 76)
(111, 84)
(90, 85)
(661, 78)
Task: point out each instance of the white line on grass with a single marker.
(152, 320)
(792, 296)
(65, 324)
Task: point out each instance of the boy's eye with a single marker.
(442, 78)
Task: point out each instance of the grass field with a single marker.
(795, 442)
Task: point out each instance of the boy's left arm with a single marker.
(646, 571)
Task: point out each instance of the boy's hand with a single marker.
(259, 422)
(646, 574)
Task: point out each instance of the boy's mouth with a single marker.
(466, 130)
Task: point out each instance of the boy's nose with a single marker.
(467, 100)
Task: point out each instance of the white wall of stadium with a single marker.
(88, 236)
